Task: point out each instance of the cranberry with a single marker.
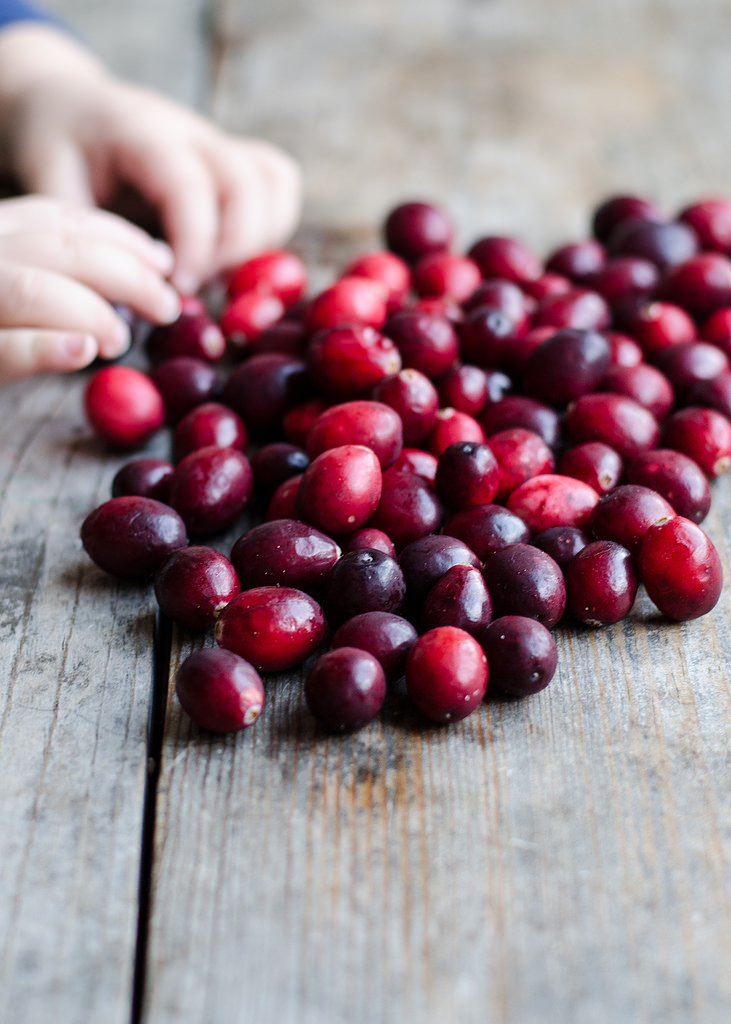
(458, 598)
(388, 637)
(523, 580)
(664, 243)
(465, 387)
(658, 325)
(297, 421)
(547, 284)
(345, 689)
(486, 529)
(681, 569)
(340, 489)
(487, 337)
(287, 337)
(408, 508)
(263, 388)
(521, 654)
(576, 260)
(210, 488)
(274, 463)
(693, 361)
(616, 420)
(147, 477)
(388, 269)
(123, 406)
(551, 499)
(284, 552)
(713, 394)
(348, 361)
(283, 503)
(702, 434)
(582, 308)
(623, 350)
(349, 300)
(595, 463)
(625, 280)
(701, 284)
(710, 220)
(413, 396)
(520, 454)
(717, 329)
(612, 211)
(277, 272)
(369, 537)
(360, 581)
(209, 423)
(363, 422)
(446, 273)
(501, 256)
(676, 477)
(219, 690)
(467, 474)
(275, 628)
(452, 426)
(248, 315)
(185, 382)
(425, 560)
(131, 536)
(192, 334)
(626, 513)
(645, 384)
(521, 411)
(413, 229)
(419, 462)
(601, 583)
(194, 585)
(426, 341)
(561, 543)
(446, 674)
(566, 365)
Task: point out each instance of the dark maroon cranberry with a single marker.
(425, 560)
(408, 508)
(263, 388)
(146, 477)
(618, 421)
(701, 285)
(194, 585)
(363, 581)
(664, 243)
(284, 551)
(612, 211)
(360, 422)
(520, 454)
(581, 308)
(681, 569)
(521, 411)
(704, 435)
(644, 384)
(388, 637)
(693, 361)
(566, 365)
(287, 337)
(219, 690)
(451, 427)
(486, 529)
(298, 420)
(561, 543)
(415, 228)
(498, 386)
(501, 256)
(676, 477)
(185, 382)
(487, 336)
(467, 474)
(210, 488)
(504, 296)
(547, 284)
(131, 536)
(275, 628)
(446, 674)
(274, 463)
(710, 219)
(283, 503)
(625, 280)
(595, 463)
(523, 580)
(192, 334)
(210, 423)
(551, 499)
(414, 398)
(577, 259)
(713, 394)
(521, 654)
(369, 537)
(626, 513)
(601, 583)
(446, 273)
(426, 341)
(340, 489)
(657, 326)
(459, 598)
(345, 689)
(465, 387)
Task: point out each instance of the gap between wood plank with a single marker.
(161, 648)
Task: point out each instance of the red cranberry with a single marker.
(561, 543)
(248, 315)
(520, 454)
(623, 350)
(369, 537)
(275, 628)
(595, 463)
(500, 256)
(601, 583)
(345, 689)
(210, 488)
(612, 211)
(547, 284)
(465, 387)
(414, 398)
(388, 637)
(687, 364)
(147, 477)
(283, 503)
(625, 280)
(219, 690)
(348, 361)
(676, 477)
(486, 529)
(360, 581)
(426, 341)
(437, 306)
(458, 598)
(521, 411)
(123, 406)
(446, 273)
(131, 536)
(451, 427)
(505, 297)
(209, 423)
(710, 220)
(626, 513)
(284, 552)
(194, 585)
(521, 654)
(658, 326)
(277, 272)
(616, 420)
(467, 474)
(408, 508)
(298, 420)
(717, 329)
(192, 334)
(645, 384)
(274, 463)
(566, 365)
(388, 269)
(576, 260)
(413, 229)
(263, 388)
(184, 383)
(363, 422)
(664, 243)
(425, 560)
(704, 435)
(349, 300)
(419, 462)
(701, 285)
(446, 674)
(487, 337)
(681, 569)
(551, 499)
(523, 580)
(582, 308)
(340, 489)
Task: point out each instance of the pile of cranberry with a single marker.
(445, 455)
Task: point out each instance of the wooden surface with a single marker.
(559, 859)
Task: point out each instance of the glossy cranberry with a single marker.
(521, 654)
(446, 674)
(645, 384)
(612, 211)
(425, 560)
(207, 424)
(520, 454)
(345, 689)
(348, 361)
(275, 628)
(710, 220)
(414, 398)
(408, 508)
(360, 581)
(416, 460)
(284, 552)
(184, 383)
(388, 269)
(687, 364)
(465, 387)
(717, 329)
(287, 337)
(467, 474)
(368, 537)
(413, 229)
(582, 308)
(426, 341)
(458, 598)
(701, 285)
(561, 543)
(595, 463)
(566, 365)
(713, 394)
(618, 421)
(576, 260)
(523, 580)
(486, 529)
(262, 389)
(446, 273)
(487, 337)
(388, 637)
(704, 435)
(452, 426)
(623, 350)
(298, 420)
(277, 272)
(194, 586)
(283, 502)
(601, 583)
(435, 305)
(362, 422)
(658, 326)
(146, 477)
(192, 334)
(626, 513)
(248, 315)
(123, 407)
(274, 463)
(131, 536)
(502, 256)
(625, 280)
(676, 477)
(551, 499)
(521, 411)
(548, 284)
(340, 489)
(219, 690)
(681, 569)
(664, 243)
(349, 300)
(210, 488)
(505, 297)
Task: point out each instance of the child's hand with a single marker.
(61, 267)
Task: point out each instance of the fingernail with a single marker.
(185, 281)
(77, 347)
(122, 338)
(169, 306)
(163, 256)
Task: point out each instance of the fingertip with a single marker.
(75, 351)
(116, 342)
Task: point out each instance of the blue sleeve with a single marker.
(18, 10)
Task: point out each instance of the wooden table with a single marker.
(559, 859)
